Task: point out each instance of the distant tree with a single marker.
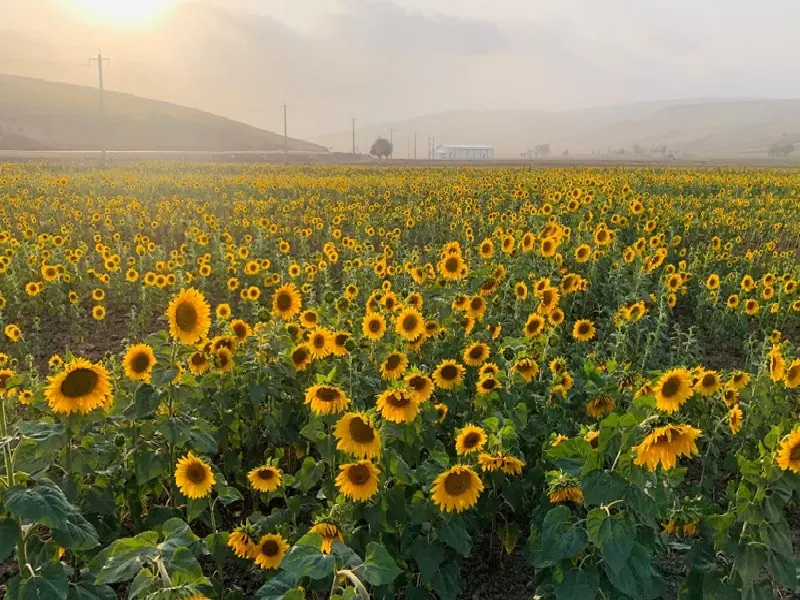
(780, 150)
(637, 149)
(381, 147)
(542, 150)
(565, 154)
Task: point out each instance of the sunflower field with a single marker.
(234, 382)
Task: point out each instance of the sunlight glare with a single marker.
(121, 12)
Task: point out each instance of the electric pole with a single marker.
(100, 60)
(391, 141)
(354, 137)
(415, 145)
(285, 137)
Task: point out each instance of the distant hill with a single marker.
(44, 115)
(696, 128)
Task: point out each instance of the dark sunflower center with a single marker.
(794, 373)
(79, 382)
(358, 474)
(140, 362)
(534, 325)
(398, 399)
(328, 394)
(456, 484)
(361, 431)
(449, 372)
(270, 548)
(310, 317)
(671, 387)
(547, 246)
(266, 474)
(489, 384)
(451, 265)
(583, 328)
(410, 323)
(341, 339)
(524, 367)
(471, 440)
(318, 340)
(417, 383)
(240, 330)
(476, 304)
(547, 297)
(198, 359)
(224, 359)
(186, 316)
(389, 303)
(476, 352)
(196, 473)
(299, 355)
(374, 325)
(709, 380)
(393, 361)
(795, 453)
(283, 301)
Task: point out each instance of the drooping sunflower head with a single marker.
(326, 399)
(194, 477)
(358, 481)
(735, 419)
(470, 439)
(81, 387)
(527, 368)
(265, 478)
(777, 363)
(340, 338)
(448, 374)
(394, 366)
(270, 551)
(189, 316)
(330, 533)
(456, 489)
(665, 444)
(358, 436)
(301, 357)
(599, 405)
(242, 543)
(138, 362)
(792, 377)
(397, 405)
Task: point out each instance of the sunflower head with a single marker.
(189, 316)
(448, 374)
(357, 435)
(194, 477)
(81, 387)
(326, 399)
(270, 550)
(470, 439)
(397, 405)
(138, 362)
(394, 366)
(456, 489)
(788, 456)
(265, 478)
(358, 481)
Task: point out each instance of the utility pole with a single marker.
(354, 137)
(100, 60)
(415, 145)
(285, 137)
(391, 141)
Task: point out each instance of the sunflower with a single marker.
(788, 457)
(489, 463)
(599, 405)
(242, 544)
(339, 340)
(665, 444)
(12, 332)
(198, 363)
(326, 399)
(488, 370)
(735, 419)
(270, 551)
(241, 329)
(568, 493)
(739, 380)
(397, 406)
(593, 437)
(673, 389)
(223, 311)
(373, 326)
(81, 387)
(409, 324)
(394, 366)
(320, 343)
(441, 412)
(358, 436)
(224, 360)
(189, 316)
(730, 395)
(476, 353)
(265, 479)
(792, 378)
(448, 374)
(99, 312)
(527, 368)
(476, 308)
(138, 362)
(583, 330)
(453, 268)
(419, 386)
(456, 489)
(511, 465)
(520, 290)
(330, 533)
(534, 326)
(708, 383)
(470, 439)
(751, 306)
(777, 364)
(487, 385)
(286, 302)
(301, 357)
(5, 375)
(358, 481)
(194, 477)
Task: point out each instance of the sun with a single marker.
(121, 12)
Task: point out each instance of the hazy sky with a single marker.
(383, 60)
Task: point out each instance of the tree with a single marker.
(381, 147)
(542, 150)
(780, 150)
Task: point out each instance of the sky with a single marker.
(387, 60)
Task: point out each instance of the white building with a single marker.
(463, 152)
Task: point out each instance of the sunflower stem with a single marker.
(22, 555)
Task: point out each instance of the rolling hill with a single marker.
(44, 115)
(693, 128)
